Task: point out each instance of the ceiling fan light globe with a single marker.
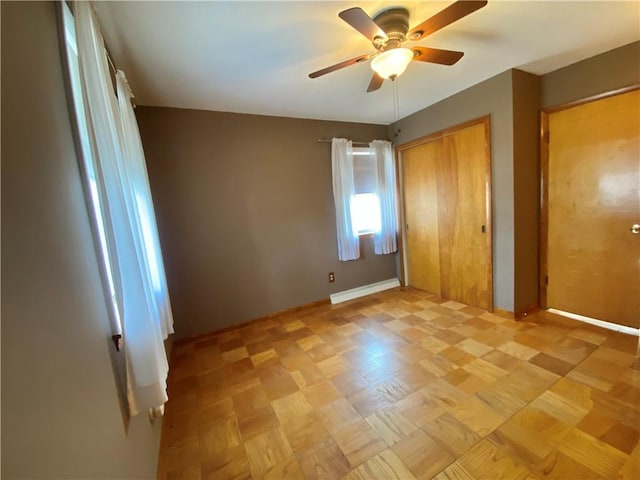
(391, 63)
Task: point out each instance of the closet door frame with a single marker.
(399, 149)
(544, 177)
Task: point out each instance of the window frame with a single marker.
(86, 165)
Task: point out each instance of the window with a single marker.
(365, 204)
(118, 198)
(89, 163)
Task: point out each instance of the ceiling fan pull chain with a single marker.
(396, 100)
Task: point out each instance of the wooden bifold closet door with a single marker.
(446, 187)
(591, 173)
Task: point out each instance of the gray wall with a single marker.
(603, 73)
(491, 97)
(245, 213)
(526, 187)
(60, 411)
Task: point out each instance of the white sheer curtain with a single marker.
(136, 261)
(343, 191)
(385, 240)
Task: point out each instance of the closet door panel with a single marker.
(421, 216)
(462, 189)
(446, 202)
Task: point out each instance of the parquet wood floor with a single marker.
(404, 385)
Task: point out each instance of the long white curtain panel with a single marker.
(343, 192)
(385, 240)
(127, 211)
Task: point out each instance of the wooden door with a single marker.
(593, 199)
(447, 215)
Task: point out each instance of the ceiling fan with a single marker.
(389, 30)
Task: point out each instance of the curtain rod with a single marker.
(328, 140)
(110, 60)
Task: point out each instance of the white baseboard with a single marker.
(364, 290)
(598, 323)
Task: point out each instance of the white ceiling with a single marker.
(255, 57)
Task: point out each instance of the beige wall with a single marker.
(60, 411)
(491, 97)
(245, 213)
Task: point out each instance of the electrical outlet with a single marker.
(332, 277)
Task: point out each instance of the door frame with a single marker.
(544, 177)
(399, 149)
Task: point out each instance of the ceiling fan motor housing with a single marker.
(395, 23)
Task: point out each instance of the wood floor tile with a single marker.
(566, 401)
(307, 343)
(414, 376)
(477, 416)
(571, 350)
(359, 442)
(220, 436)
(455, 471)
(267, 450)
(502, 399)
(183, 454)
(631, 468)
(231, 463)
(592, 453)
(280, 386)
(622, 437)
(486, 460)
(338, 414)
(291, 406)
(484, 370)
(518, 350)
(304, 432)
(250, 402)
(265, 356)
(539, 426)
(477, 349)
(324, 461)
(235, 355)
(502, 360)
(286, 470)
(385, 465)
(559, 466)
(403, 384)
(457, 356)
(253, 425)
(390, 425)
(332, 366)
(307, 376)
(422, 455)
(553, 364)
(321, 394)
(438, 365)
(465, 382)
(452, 433)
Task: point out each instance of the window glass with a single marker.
(365, 213)
(365, 205)
(87, 156)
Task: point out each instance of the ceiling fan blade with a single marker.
(338, 66)
(452, 13)
(375, 83)
(358, 19)
(435, 55)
